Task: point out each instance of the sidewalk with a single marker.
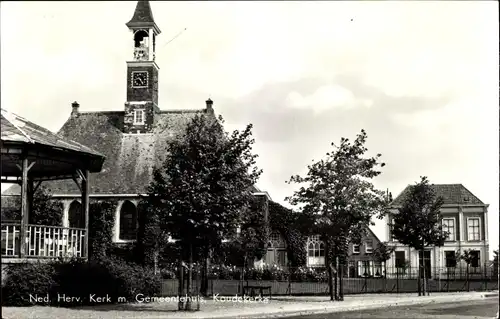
(210, 308)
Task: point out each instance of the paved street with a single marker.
(479, 309)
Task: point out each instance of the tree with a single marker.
(418, 221)
(382, 254)
(150, 237)
(204, 186)
(250, 243)
(468, 256)
(340, 197)
(295, 228)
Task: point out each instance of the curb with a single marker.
(341, 309)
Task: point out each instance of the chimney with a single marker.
(74, 111)
(209, 105)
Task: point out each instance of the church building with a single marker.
(133, 140)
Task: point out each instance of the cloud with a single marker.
(324, 98)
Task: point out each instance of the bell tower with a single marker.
(142, 72)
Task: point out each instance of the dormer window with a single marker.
(138, 117)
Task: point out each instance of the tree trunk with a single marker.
(424, 274)
(336, 276)
(190, 279)
(341, 281)
(419, 282)
(242, 276)
(467, 277)
(155, 262)
(330, 271)
(204, 274)
(180, 305)
(385, 276)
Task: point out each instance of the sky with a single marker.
(420, 77)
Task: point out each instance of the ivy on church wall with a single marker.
(101, 223)
(287, 223)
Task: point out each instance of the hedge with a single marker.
(223, 272)
(77, 278)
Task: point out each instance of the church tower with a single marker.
(142, 72)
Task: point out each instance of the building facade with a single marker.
(465, 217)
(361, 260)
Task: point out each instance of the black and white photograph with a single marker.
(250, 159)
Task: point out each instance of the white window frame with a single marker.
(479, 223)
(313, 261)
(136, 111)
(370, 250)
(354, 250)
(454, 228)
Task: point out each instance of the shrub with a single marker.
(126, 252)
(224, 272)
(77, 278)
(168, 273)
(274, 273)
(309, 274)
(25, 280)
(113, 277)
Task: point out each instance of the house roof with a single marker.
(373, 234)
(451, 194)
(130, 158)
(143, 16)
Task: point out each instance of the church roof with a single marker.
(451, 193)
(130, 158)
(143, 16)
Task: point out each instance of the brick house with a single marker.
(133, 140)
(466, 218)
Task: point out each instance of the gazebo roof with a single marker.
(54, 157)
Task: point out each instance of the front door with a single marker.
(426, 262)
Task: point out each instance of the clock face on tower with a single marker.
(140, 79)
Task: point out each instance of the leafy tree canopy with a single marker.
(383, 252)
(339, 193)
(205, 183)
(418, 221)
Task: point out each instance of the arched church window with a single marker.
(276, 240)
(75, 215)
(315, 251)
(128, 221)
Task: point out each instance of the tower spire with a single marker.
(143, 17)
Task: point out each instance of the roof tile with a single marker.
(451, 193)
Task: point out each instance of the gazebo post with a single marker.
(24, 207)
(30, 195)
(85, 207)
